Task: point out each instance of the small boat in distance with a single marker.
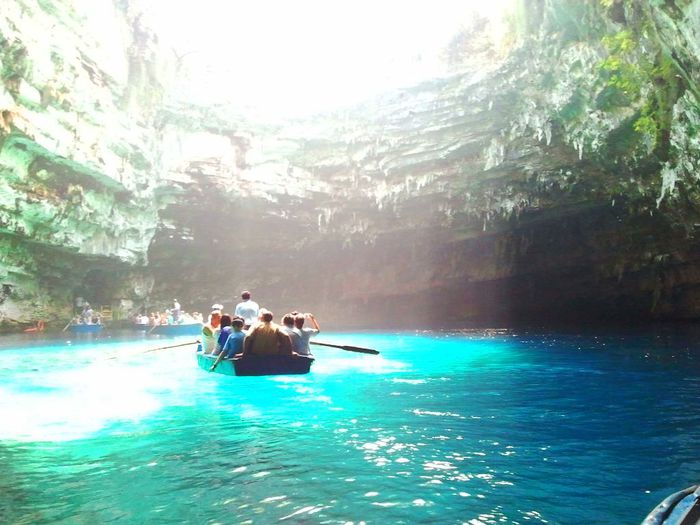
(177, 329)
(86, 328)
(257, 365)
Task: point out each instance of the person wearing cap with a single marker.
(247, 309)
(266, 338)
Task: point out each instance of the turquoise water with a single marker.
(474, 427)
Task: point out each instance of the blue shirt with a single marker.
(234, 344)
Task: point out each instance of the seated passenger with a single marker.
(234, 343)
(224, 332)
(210, 333)
(289, 329)
(266, 338)
(306, 333)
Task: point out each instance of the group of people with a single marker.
(87, 316)
(251, 330)
(173, 315)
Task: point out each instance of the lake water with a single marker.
(465, 427)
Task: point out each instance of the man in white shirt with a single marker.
(247, 309)
(305, 333)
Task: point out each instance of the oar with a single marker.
(349, 348)
(171, 346)
(66, 327)
(160, 348)
(218, 360)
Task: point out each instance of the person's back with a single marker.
(294, 334)
(234, 342)
(266, 338)
(305, 333)
(224, 331)
(247, 309)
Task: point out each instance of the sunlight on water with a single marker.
(472, 427)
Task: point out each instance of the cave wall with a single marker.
(557, 185)
(557, 181)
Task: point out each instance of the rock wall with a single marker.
(559, 183)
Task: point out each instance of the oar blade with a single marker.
(360, 350)
(348, 348)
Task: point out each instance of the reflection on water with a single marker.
(471, 427)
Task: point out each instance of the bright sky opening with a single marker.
(295, 58)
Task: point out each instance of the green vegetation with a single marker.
(638, 69)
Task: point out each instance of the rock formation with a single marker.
(558, 183)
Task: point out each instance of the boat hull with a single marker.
(177, 329)
(255, 365)
(86, 328)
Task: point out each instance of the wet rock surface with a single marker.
(555, 185)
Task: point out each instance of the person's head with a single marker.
(237, 324)
(245, 295)
(266, 316)
(225, 320)
(215, 318)
(288, 320)
(299, 321)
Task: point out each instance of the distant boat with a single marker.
(680, 508)
(177, 329)
(86, 328)
(257, 365)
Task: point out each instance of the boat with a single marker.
(86, 328)
(680, 508)
(177, 329)
(257, 365)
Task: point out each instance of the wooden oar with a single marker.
(171, 346)
(159, 348)
(218, 360)
(349, 348)
(66, 327)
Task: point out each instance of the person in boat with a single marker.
(247, 309)
(289, 329)
(176, 311)
(234, 342)
(87, 314)
(305, 334)
(210, 333)
(267, 338)
(224, 331)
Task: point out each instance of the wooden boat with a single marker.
(177, 329)
(680, 508)
(86, 328)
(258, 365)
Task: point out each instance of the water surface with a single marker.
(464, 427)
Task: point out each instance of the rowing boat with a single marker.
(257, 365)
(85, 328)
